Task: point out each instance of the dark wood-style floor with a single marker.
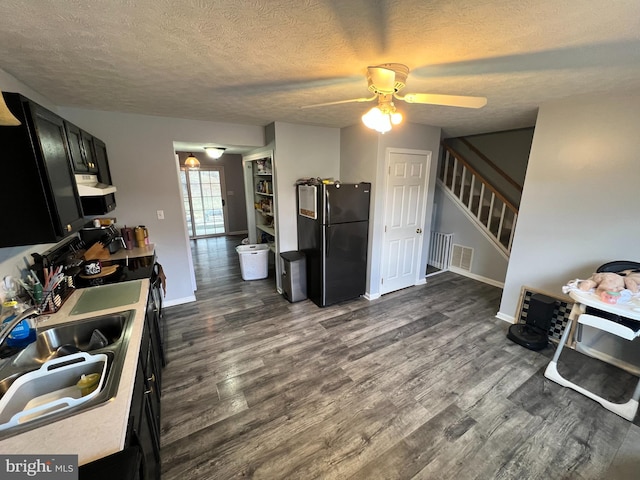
(419, 384)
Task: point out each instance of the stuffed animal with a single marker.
(604, 282)
(631, 280)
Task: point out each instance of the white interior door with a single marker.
(405, 201)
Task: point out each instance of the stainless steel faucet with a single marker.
(16, 320)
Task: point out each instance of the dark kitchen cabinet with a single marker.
(145, 414)
(89, 155)
(102, 161)
(81, 149)
(144, 420)
(38, 185)
(74, 138)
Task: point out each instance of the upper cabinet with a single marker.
(101, 160)
(81, 149)
(39, 189)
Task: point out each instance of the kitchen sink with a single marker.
(83, 335)
(105, 335)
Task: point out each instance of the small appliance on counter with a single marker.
(109, 236)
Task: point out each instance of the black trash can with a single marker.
(294, 276)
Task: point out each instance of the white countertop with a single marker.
(145, 251)
(99, 431)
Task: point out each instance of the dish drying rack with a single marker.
(53, 275)
(55, 295)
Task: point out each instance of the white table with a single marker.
(629, 310)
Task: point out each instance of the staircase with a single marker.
(494, 214)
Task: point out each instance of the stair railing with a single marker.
(491, 211)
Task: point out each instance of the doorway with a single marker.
(405, 204)
(202, 196)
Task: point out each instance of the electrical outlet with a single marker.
(160, 214)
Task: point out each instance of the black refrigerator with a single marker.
(333, 229)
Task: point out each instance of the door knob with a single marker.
(418, 230)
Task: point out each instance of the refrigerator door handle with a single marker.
(327, 206)
(327, 247)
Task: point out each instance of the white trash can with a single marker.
(254, 261)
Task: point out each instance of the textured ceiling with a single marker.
(255, 62)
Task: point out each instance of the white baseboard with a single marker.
(179, 301)
(505, 317)
(480, 278)
(371, 296)
(421, 281)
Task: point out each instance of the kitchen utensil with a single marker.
(97, 251)
(128, 237)
(98, 340)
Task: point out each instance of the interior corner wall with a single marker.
(300, 151)
(363, 158)
(578, 207)
(359, 163)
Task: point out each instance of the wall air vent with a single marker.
(461, 257)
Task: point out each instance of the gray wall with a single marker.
(579, 206)
(234, 196)
(360, 162)
(508, 150)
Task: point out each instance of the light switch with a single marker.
(160, 214)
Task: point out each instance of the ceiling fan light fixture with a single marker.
(382, 119)
(214, 152)
(6, 117)
(192, 162)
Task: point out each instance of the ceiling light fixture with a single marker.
(191, 161)
(214, 152)
(6, 117)
(382, 117)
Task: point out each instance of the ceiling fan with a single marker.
(385, 81)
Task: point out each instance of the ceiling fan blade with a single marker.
(447, 100)
(352, 100)
(383, 79)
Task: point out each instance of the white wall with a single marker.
(579, 204)
(145, 171)
(300, 151)
(358, 155)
